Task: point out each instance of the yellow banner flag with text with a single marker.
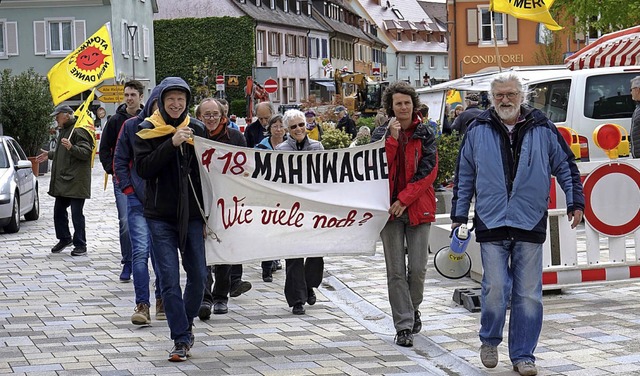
(532, 10)
(85, 121)
(83, 69)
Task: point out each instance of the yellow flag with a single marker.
(532, 10)
(453, 97)
(85, 121)
(84, 68)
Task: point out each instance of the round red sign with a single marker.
(270, 86)
(220, 79)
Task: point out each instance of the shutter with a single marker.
(79, 32)
(39, 38)
(512, 29)
(324, 49)
(12, 38)
(472, 26)
(145, 43)
(124, 38)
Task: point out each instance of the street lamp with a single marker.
(133, 30)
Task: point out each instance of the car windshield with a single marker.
(4, 161)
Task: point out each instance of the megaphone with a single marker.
(453, 262)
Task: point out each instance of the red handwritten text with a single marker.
(235, 214)
(323, 221)
(284, 217)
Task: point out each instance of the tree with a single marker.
(603, 15)
(25, 108)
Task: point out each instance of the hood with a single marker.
(154, 96)
(168, 84)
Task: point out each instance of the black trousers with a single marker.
(302, 275)
(61, 220)
(227, 277)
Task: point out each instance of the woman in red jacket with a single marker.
(413, 166)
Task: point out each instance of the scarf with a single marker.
(161, 128)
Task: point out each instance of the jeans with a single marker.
(141, 249)
(512, 269)
(405, 274)
(302, 275)
(180, 311)
(121, 206)
(61, 220)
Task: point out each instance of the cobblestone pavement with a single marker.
(64, 315)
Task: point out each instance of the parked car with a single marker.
(18, 186)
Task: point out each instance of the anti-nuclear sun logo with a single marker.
(90, 63)
(90, 58)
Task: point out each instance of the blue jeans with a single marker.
(61, 220)
(121, 206)
(141, 249)
(180, 311)
(405, 271)
(512, 269)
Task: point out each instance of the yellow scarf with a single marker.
(161, 128)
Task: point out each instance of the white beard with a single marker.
(508, 112)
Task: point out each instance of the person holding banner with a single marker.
(70, 179)
(165, 158)
(301, 275)
(213, 114)
(413, 165)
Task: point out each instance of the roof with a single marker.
(279, 17)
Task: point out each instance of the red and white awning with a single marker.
(620, 48)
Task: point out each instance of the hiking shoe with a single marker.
(220, 308)
(79, 251)
(404, 338)
(417, 323)
(141, 315)
(62, 244)
(298, 309)
(179, 353)
(125, 276)
(160, 314)
(489, 355)
(240, 289)
(526, 368)
(204, 313)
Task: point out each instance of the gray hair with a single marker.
(291, 114)
(635, 82)
(505, 78)
(268, 105)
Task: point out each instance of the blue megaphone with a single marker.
(453, 262)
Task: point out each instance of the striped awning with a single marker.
(620, 48)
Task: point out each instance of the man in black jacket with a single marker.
(469, 114)
(255, 132)
(133, 93)
(165, 158)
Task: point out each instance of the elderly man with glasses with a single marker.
(255, 132)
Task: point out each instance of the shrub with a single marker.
(368, 122)
(238, 107)
(448, 149)
(25, 106)
(335, 138)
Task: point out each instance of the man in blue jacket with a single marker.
(506, 160)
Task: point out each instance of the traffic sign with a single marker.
(232, 81)
(111, 98)
(270, 86)
(111, 89)
(219, 79)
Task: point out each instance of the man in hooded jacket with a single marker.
(166, 159)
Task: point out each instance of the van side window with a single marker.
(552, 98)
(608, 96)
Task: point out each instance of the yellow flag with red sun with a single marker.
(85, 121)
(83, 69)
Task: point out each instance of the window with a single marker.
(302, 46)
(446, 62)
(486, 32)
(325, 53)
(60, 37)
(290, 45)
(608, 96)
(3, 50)
(432, 62)
(552, 98)
(274, 43)
(399, 36)
(8, 39)
(259, 40)
(291, 88)
(403, 61)
(303, 89)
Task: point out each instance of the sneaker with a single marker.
(298, 309)
(125, 276)
(311, 297)
(141, 315)
(179, 353)
(62, 244)
(489, 356)
(267, 276)
(526, 368)
(220, 308)
(240, 289)
(417, 323)
(204, 313)
(404, 338)
(79, 251)
(160, 314)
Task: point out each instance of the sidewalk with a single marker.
(63, 315)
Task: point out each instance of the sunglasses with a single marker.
(294, 126)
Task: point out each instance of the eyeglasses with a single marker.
(634, 88)
(500, 96)
(294, 126)
(210, 116)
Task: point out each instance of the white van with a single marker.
(582, 99)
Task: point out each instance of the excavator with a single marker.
(359, 92)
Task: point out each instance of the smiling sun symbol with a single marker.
(90, 58)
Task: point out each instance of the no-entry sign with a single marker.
(220, 79)
(270, 86)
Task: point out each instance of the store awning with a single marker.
(328, 84)
(620, 48)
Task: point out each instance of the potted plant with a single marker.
(448, 149)
(25, 108)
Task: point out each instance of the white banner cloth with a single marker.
(268, 205)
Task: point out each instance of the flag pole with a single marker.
(495, 43)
